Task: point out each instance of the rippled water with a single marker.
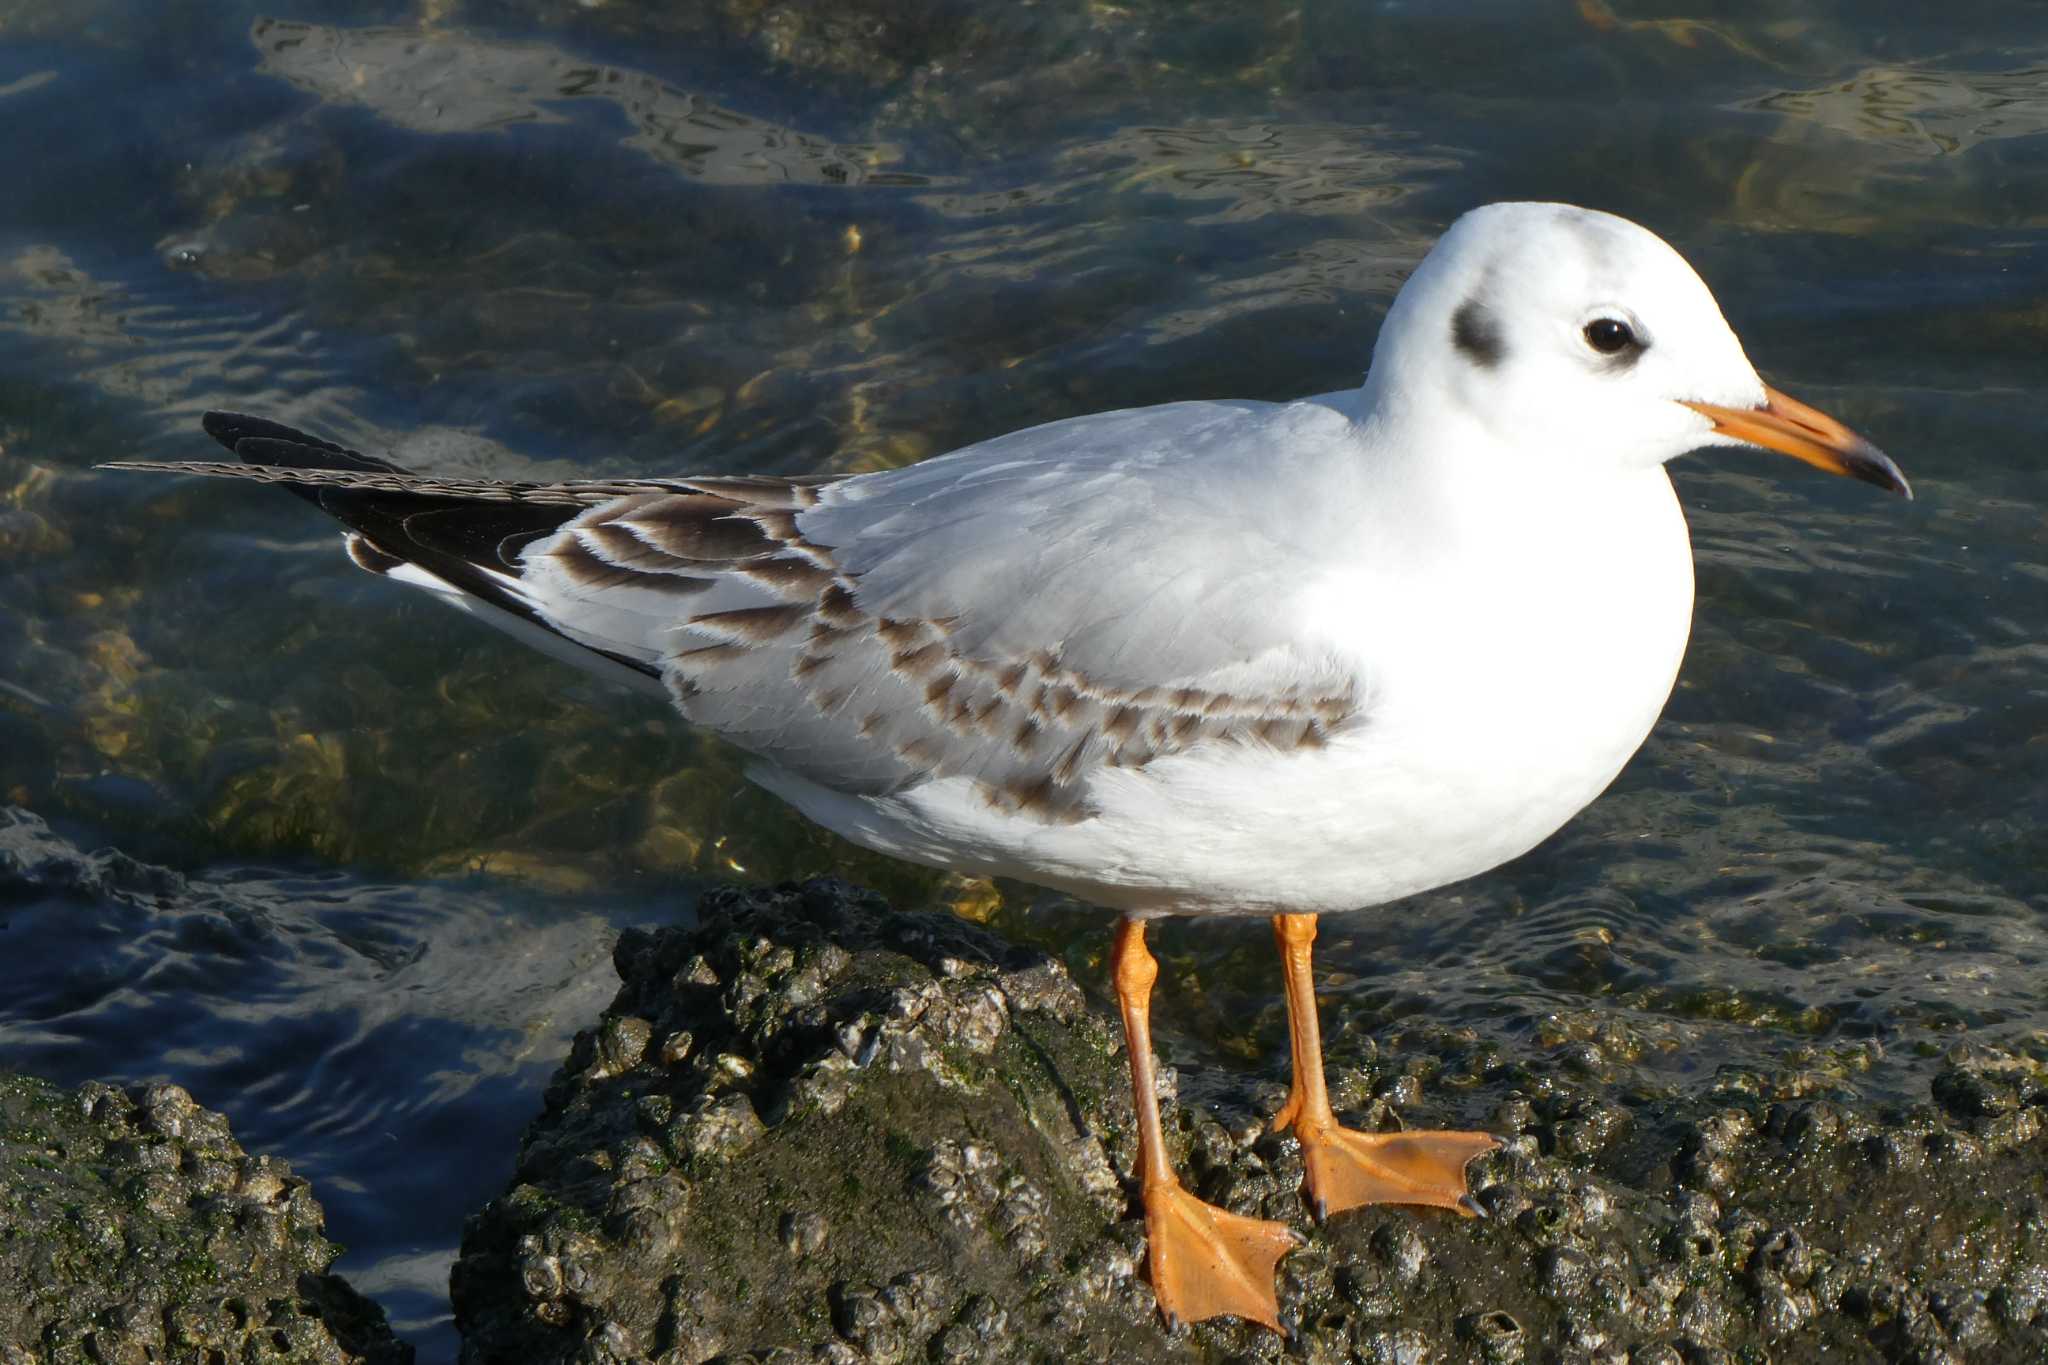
(623, 237)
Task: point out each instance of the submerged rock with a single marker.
(813, 1129)
(134, 1228)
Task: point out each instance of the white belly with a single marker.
(1495, 710)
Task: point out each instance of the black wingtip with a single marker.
(232, 428)
(225, 427)
(258, 440)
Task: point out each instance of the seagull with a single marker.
(1205, 658)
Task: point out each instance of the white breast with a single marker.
(1506, 681)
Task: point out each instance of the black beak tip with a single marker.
(1873, 466)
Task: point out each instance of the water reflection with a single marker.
(157, 347)
(1926, 111)
(1249, 170)
(441, 81)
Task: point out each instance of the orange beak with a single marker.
(1789, 427)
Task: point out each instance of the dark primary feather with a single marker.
(258, 440)
(460, 539)
(437, 527)
(473, 534)
(470, 534)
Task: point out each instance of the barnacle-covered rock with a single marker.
(133, 1227)
(812, 1129)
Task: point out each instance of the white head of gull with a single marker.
(1566, 333)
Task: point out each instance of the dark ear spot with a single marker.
(1477, 335)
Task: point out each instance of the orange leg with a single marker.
(1348, 1168)
(1205, 1262)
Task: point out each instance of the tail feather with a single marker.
(463, 537)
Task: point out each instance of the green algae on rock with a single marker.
(133, 1227)
(817, 1121)
(813, 1129)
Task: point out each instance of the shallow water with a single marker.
(621, 238)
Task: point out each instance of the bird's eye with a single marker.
(1609, 336)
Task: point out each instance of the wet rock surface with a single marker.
(814, 1129)
(134, 1228)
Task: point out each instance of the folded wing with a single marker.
(1010, 614)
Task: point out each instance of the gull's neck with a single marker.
(1435, 479)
